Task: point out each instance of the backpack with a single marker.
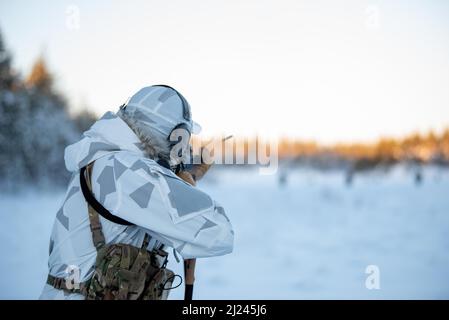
(122, 271)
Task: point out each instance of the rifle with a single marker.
(190, 174)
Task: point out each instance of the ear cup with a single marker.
(179, 126)
(173, 143)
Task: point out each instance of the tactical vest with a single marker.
(122, 271)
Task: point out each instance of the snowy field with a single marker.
(309, 239)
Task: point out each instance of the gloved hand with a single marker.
(199, 170)
(187, 177)
(195, 172)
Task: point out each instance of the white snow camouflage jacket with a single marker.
(138, 190)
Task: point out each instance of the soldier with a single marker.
(127, 201)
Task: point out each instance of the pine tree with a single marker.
(5, 66)
(40, 78)
(11, 110)
(35, 127)
(47, 128)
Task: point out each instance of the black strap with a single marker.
(102, 211)
(185, 109)
(188, 292)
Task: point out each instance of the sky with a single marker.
(332, 71)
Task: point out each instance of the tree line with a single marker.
(35, 126)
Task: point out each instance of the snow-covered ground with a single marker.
(312, 238)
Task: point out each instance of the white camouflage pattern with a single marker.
(138, 190)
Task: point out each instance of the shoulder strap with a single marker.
(95, 209)
(95, 224)
(97, 206)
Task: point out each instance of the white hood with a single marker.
(108, 134)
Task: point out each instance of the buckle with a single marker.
(161, 258)
(95, 228)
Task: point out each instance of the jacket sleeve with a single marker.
(177, 214)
